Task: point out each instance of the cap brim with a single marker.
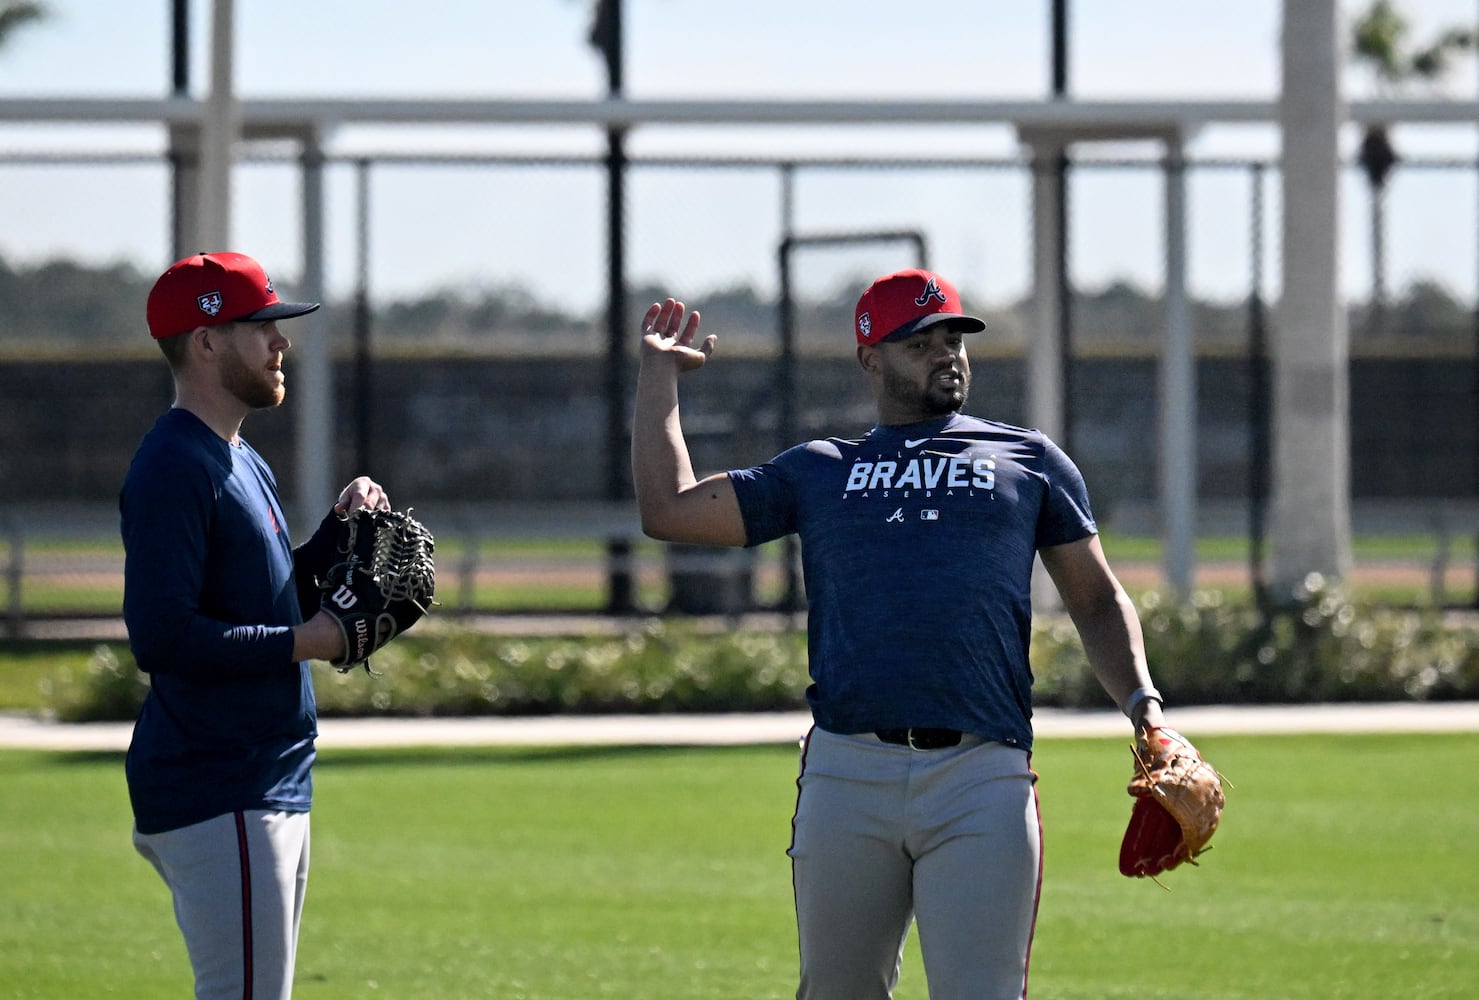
(279, 310)
(965, 324)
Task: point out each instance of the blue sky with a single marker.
(695, 229)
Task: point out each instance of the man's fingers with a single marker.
(665, 318)
(670, 319)
(690, 328)
(669, 326)
(362, 492)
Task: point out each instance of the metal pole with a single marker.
(1064, 293)
(1178, 392)
(1474, 398)
(1258, 401)
(1064, 290)
(180, 191)
(621, 588)
(180, 48)
(791, 601)
(15, 576)
(785, 424)
(362, 374)
(785, 369)
(314, 399)
(1060, 48)
(1474, 395)
(220, 130)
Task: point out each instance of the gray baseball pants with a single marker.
(238, 882)
(884, 835)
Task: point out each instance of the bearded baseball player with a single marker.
(219, 767)
(916, 798)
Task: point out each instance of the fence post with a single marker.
(471, 555)
(1438, 573)
(15, 623)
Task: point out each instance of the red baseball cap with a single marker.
(902, 303)
(213, 289)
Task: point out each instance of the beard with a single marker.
(254, 387)
(932, 398)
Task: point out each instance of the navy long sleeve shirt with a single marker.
(210, 600)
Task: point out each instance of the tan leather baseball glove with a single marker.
(1178, 804)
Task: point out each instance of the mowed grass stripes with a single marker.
(1345, 868)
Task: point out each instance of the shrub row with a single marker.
(1318, 648)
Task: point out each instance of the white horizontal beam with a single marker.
(1063, 114)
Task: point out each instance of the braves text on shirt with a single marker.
(924, 473)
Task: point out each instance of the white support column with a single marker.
(1178, 393)
(184, 146)
(314, 398)
(1311, 392)
(1044, 341)
(1044, 344)
(219, 133)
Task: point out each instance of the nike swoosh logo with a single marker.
(915, 444)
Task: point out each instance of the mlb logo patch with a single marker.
(210, 303)
(929, 514)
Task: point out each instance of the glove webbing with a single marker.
(401, 562)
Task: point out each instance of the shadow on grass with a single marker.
(454, 756)
(71, 758)
(343, 758)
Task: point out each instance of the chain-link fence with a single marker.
(481, 395)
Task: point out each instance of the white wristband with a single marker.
(1137, 696)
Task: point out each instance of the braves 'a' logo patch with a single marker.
(931, 291)
(210, 303)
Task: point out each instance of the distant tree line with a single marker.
(62, 305)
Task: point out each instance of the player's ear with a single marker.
(200, 338)
(868, 358)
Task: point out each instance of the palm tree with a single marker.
(14, 13)
(1379, 40)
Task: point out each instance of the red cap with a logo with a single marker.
(905, 302)
(213, 289)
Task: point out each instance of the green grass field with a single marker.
(1345, 868)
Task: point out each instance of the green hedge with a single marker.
(1320, 647)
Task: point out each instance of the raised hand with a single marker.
(666, 332)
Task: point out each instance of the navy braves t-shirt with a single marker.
(917, 546)
(210, 600)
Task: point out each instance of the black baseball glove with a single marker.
(380, 578)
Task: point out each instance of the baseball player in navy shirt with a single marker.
(219, 768)
(916, 798)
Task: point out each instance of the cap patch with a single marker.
(210, 303)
